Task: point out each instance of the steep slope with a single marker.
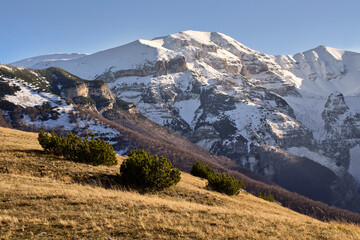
(237, 102)
(41, 199)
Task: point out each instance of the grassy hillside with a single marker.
(41, 198)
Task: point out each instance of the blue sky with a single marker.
(36, 27)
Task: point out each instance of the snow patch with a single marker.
(187, 109)
(27, 97)
(336, 53)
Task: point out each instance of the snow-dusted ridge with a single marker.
(30, 62)
(129, 56)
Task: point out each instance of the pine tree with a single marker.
(144, 171)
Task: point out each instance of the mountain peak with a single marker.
(325, 53)
(321, 47)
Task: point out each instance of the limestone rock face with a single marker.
(102, 95)
(342, 129)
(162, 67)
(76, 91)
(98, 91)
(175, 65)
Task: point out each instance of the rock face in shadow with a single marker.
(305, 176)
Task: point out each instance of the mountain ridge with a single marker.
(29, 62)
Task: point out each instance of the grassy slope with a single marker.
(41, 199)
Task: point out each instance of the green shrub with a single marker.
(219, 182)
(224, 183)
(6, 89)
(52, 143)
(95, 151)
(7, 106)
(144, 171)
(267, 197)
(122, 105)
(99, 151)
(81, 100)
(200, 169)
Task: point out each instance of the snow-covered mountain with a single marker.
(243, 104)
(30, 62)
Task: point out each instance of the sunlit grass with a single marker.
(41, 199)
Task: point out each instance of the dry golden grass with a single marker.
(40, 199)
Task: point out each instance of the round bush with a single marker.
(223, 183)
(144, 171)
(95, 151)
(200, 169)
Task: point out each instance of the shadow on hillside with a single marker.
(107, 181)
(79, 175)
(28, 151)
(36, 152)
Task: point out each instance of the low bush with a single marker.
(200, 169)
(267, 197)
(224, 183)
(6, 89)
(94, 151)
(81, 100)
(145, 172)
(7, 106)
(219, 182)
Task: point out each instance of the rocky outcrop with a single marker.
(78, 90)
(334, 108)
(173, 66)
(162, 67)
(98, 91)
(342, 129)
(102, 95)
